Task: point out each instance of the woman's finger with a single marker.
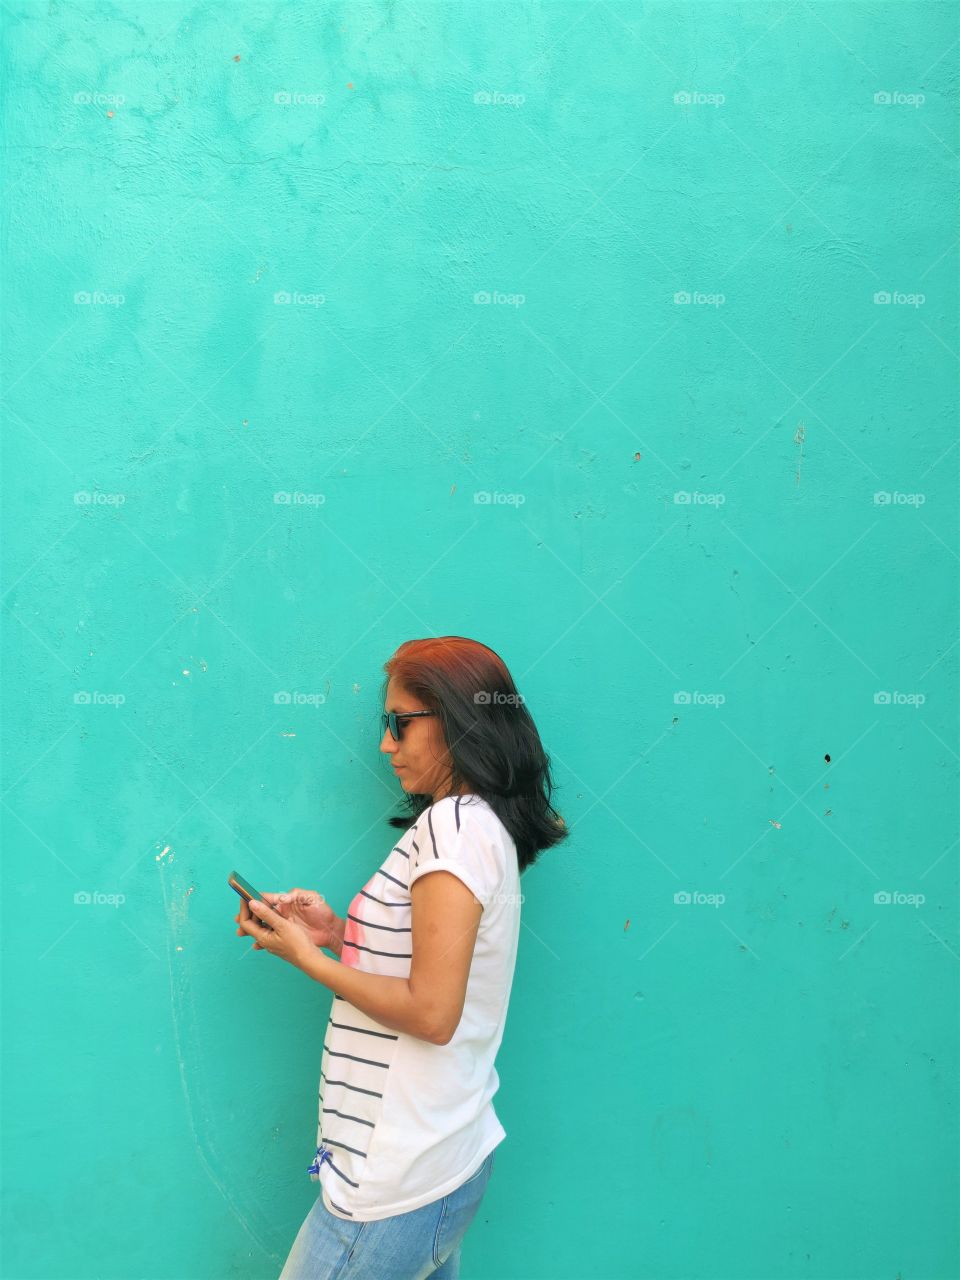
(266, 917)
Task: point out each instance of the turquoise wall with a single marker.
(215, 295)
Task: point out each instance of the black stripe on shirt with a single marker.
(345, 1116)
(368, 924)
(388, 876)
(371, 1062)
(342, 1175)
(355, 1087)
(329, 1142)
(433, 838)
(374, 898)
(395, 955)
(345, 1026)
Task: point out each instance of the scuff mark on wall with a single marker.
(186, 1038)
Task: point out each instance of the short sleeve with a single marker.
(455, 835)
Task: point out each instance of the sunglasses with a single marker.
(393, 721)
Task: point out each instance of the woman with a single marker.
(407, 1130)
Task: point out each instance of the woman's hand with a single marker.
(309, 910)
(283, 938)
(312, 912)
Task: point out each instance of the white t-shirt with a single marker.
(403, 1121)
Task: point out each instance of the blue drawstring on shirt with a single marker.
(314, 1170)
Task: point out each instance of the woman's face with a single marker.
(420, 757)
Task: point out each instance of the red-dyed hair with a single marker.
(495, 749)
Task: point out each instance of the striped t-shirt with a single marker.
(403, 1121)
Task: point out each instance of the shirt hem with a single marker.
(417, 1202)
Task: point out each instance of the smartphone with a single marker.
(247, 892)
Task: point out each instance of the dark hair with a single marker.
(494, 746)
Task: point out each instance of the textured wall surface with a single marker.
(589, 330)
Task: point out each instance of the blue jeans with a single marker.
(409, 1246)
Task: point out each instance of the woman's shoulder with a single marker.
(461, 808)
(471, 814)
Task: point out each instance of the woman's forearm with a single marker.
(387, 1000)
(338, 928)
